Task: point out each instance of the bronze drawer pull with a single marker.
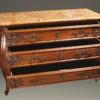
(58, 34)
(83, 53)
(35, 36)
(37, 58)
(60, 55)
(61, 76)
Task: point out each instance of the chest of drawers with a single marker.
(44, 47)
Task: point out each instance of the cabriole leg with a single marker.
(7, 89)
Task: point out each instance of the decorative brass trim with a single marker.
(81, 34)
(13, 59)
(38, 58)
(13, 38)
(34, 36)
(84, 54)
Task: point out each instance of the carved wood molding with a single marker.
(13, 38)
(96, 32)
(14, 83)
(13, 59)
(98, 51)
(38, 80)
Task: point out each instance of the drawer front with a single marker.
(34, 37)
(53, 77)
(18, 59)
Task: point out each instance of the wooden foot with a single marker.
(96, 79)
(7, 88)
(6, 92)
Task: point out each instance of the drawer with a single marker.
(52, 34)
(56, 76)
(53, 55)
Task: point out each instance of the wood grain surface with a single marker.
(50, 16)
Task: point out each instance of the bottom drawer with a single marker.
(62, 73)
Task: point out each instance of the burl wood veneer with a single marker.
(44, 47)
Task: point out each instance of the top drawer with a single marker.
(52, 34)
